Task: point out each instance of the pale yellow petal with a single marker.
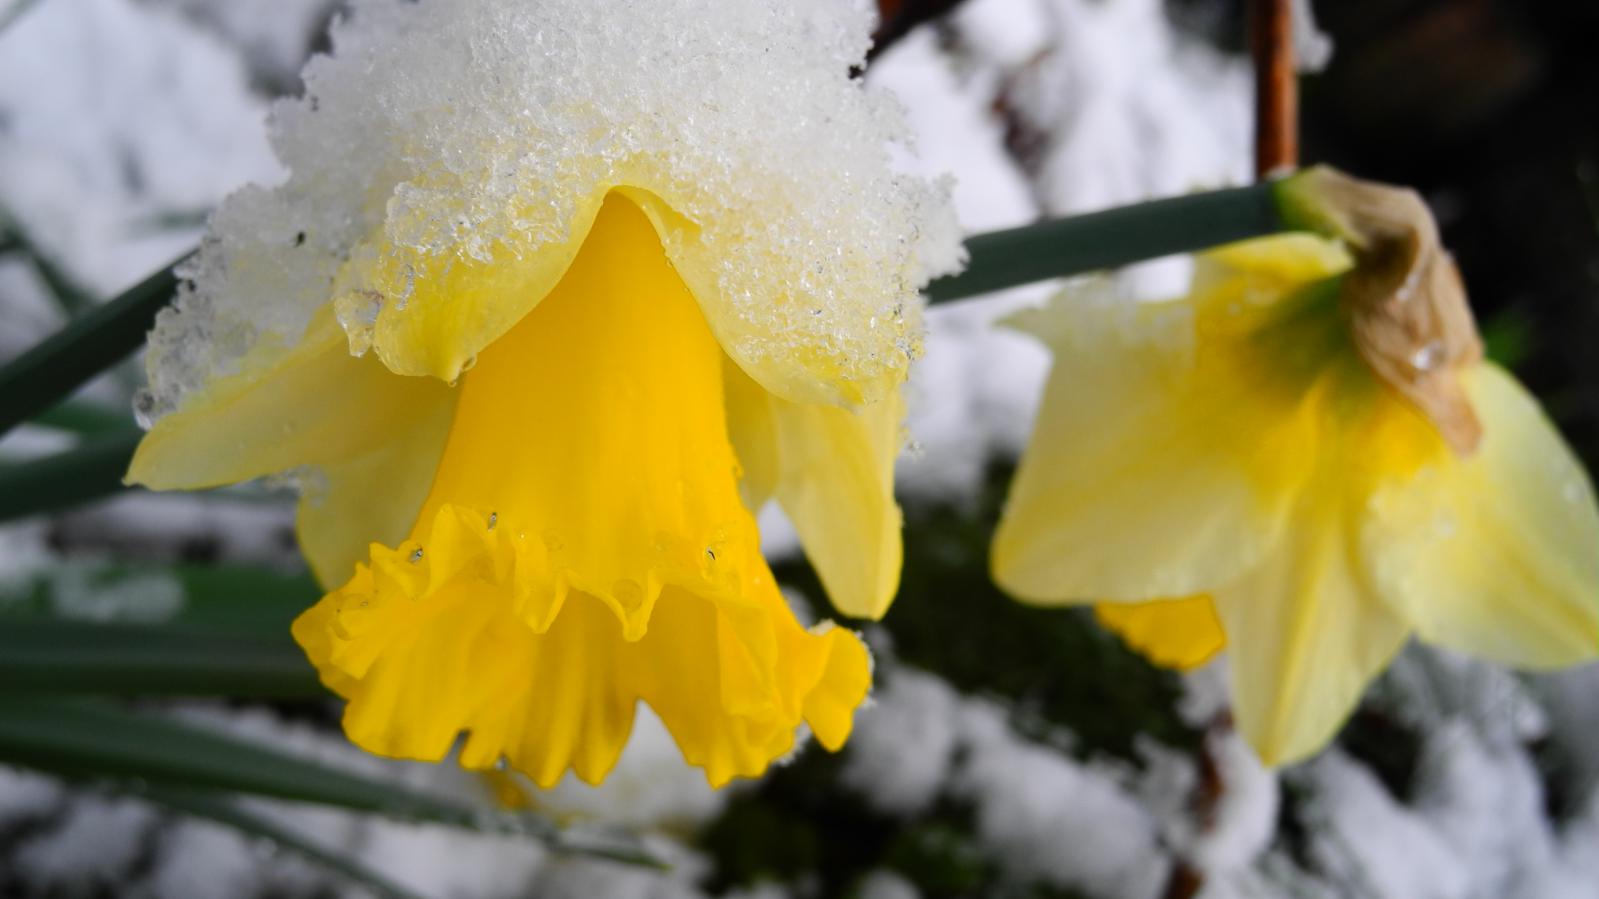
(753, 432)
(1305, 630)
(1163, 461)
(832, 471)
(312, 405)
(371, 498)
(432, 314)
(1175, 633)
(1496, 554)
(1263, 269)
(363, 441)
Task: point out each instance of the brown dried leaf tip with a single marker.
(1405, 300)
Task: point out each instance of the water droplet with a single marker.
(494, 519)
(1407, 290)
(416, 555)
(1572, 492)
(710, 554)
(1428, 356)
(628, 593)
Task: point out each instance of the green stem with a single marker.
(91, 470)
(1109, 239)
(46, 374)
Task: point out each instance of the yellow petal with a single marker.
(312, 404)
(1305, 635)
(1167, 447)
(1307, 629)
(1176, 633)
(372, 498)
(365, 442)
(753, 431)
(583, 547)
(1261, 269)
(832, 471)
(1496, 554)
(433, 314)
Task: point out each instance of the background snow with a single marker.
(121, 122)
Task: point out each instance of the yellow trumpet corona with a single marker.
(535, 379)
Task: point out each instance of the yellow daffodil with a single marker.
(554, 298)
(1305, 461)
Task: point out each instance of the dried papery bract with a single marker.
(1405, 300)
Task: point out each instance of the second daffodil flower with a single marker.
(1305, 460)
(554, 295)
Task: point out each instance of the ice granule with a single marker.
(442, 134)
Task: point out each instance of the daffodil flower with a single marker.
(1305, 461)
(554, 298)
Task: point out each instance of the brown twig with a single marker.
(1276, 87)
(1187, 878)
(900, 17)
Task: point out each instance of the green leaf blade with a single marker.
(92, 740)
(41, 656)
(54, 368)
(90, 471)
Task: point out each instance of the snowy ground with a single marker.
(121, 123)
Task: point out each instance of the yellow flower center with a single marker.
(583, 547)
